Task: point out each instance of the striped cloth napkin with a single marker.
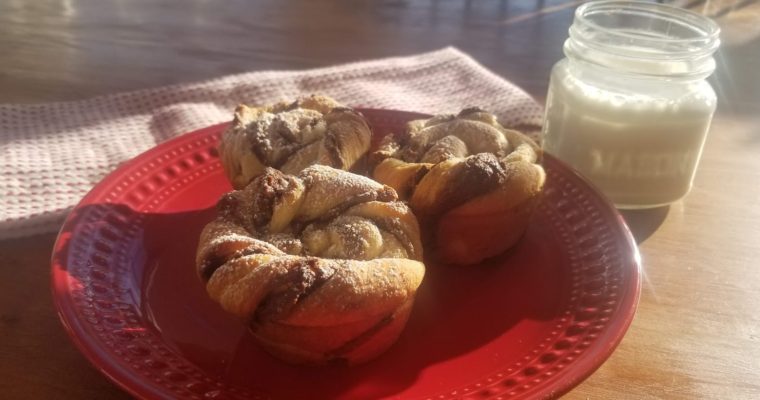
(52, 154)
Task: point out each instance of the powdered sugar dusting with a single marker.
(292, 136)
(325, 190)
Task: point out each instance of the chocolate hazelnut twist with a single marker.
(472, 182)
(323, 266)
(291, 136)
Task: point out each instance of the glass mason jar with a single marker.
(629, 106)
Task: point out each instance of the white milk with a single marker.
(641, 150)
(629, 107)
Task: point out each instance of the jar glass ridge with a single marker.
(629, 106)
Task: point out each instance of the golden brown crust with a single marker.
(323, 266)
(292, 136)
(472, 180)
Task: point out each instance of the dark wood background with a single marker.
(697, 332)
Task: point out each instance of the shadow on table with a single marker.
(643, 223)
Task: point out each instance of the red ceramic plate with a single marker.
(533, 322)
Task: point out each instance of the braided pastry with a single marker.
(292, 136)
(472, 181)
(324, 266)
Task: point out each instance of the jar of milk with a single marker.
(629, 107)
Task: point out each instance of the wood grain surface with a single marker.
(697, 331)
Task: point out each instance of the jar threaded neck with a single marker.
(643, 38)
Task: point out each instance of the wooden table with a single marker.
(697, 331)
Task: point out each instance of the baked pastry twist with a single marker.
(292, 136)
(473, 182)
(323, 266)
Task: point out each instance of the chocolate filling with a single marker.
(393, 226)
(285, 139)
(210, 265)
(402, 138)
(270, 187)
(477, 175)
(334, 356)
(344, 110)
(227, 205)
(287, 152)
(470, 110)
(293, 105)
(385, 194)
(333, 150)
(261, 146)
(215, 260)
(412, 152)
(420, 174)
(304, 276)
